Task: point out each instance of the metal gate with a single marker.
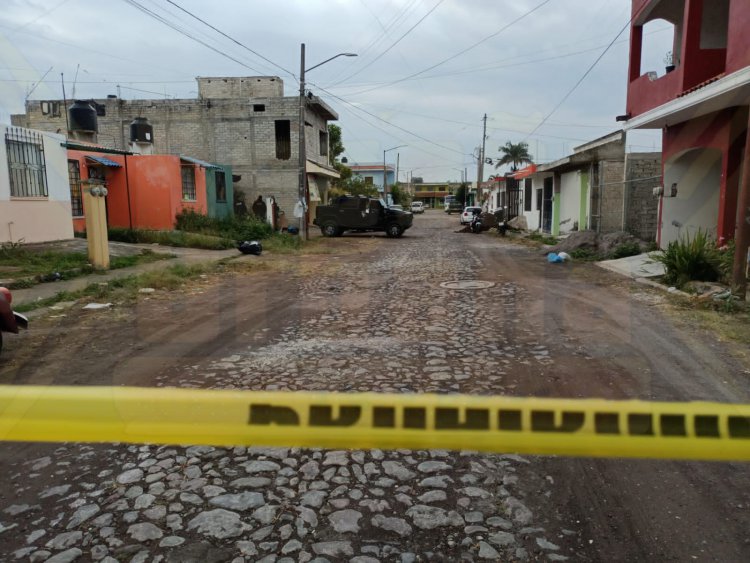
(513, 198)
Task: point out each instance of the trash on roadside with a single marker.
(250, 247)
(564, 255)
(146, 290)
(554, 258)
(97, 306)
(292, 230)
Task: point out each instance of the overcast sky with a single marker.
(517, 76)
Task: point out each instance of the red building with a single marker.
(700, 102)
(144, 191)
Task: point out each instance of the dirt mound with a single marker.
(601, 244)
(579, 239)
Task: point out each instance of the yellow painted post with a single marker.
(96, 226)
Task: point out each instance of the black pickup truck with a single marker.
(349, 213)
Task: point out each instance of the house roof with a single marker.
(525, 172)
(104, 160)
(81, 146)
(199, 162)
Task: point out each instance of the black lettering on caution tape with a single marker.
(608, 423)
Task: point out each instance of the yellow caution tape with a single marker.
(570, 427)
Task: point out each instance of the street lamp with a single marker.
(385, 176)
(302, 183)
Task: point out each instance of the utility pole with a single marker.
(398, 156)
(480, 168)
(742, 233)
(302, 192)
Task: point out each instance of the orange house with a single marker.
(144, 191)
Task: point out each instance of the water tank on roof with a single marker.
(141, 131)
(82, 116)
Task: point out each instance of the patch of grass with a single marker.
(171, 238)
(233, 228)
(171, 278)
(626, 249)
(283, 243)
(542, 238)
(584, 255)
(27, 267)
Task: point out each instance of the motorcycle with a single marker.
(476, 224)
(10, 321)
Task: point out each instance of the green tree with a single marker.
(399, 195)
(514, 154)
(335, 143)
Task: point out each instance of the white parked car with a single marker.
(417, 207)
(468, 214)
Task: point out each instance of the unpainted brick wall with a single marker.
(612, 176)
(641, 204)
(240, 87)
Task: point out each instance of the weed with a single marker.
(542, 238)
(233, 228)
(170, 238)
(584, 255)
(625, 249)
(687, 259)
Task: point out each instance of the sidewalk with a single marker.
(183, 256)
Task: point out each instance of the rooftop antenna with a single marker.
(65, 104)
(75, 79)
(38, 83)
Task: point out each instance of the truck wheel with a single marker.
(394, 230)
(330, 229)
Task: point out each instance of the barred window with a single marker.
(188, 183)
(221, 186)
(26, 165)
(76, 195)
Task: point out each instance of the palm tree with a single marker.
(514, 154)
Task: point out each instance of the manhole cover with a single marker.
(467, 284)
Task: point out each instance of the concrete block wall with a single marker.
(641, 205)
(240, 87)
(612, 191)
(225, 129)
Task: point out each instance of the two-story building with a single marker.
(373, 173)
(245, 122)
(701, 105)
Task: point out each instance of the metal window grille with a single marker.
(76, 195)
(26, 164)
(221, 186)
(188, 183)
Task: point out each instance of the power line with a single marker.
(232, 39)
(392, 45)
(585, 74)
(178, 29)
(463, 51)
(386, 121)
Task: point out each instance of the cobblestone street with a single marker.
(382, 320)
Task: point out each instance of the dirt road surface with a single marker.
(372, 316)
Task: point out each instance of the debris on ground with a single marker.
(146, 290)
(250, 247)
(600, 244)
(95, 306)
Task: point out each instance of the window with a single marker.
(259, 107)
(221, 187)
(368, 180)
(283, 139)
(527, 194)
(323, 138)
(26, 165)
(50, 108)
(188, 183)
(76, 196)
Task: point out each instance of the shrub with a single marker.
(625, 249)
(584, 254)
(171, 238)
(235, 228)
(687, 259)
